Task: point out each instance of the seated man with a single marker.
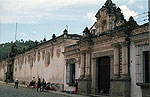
(32, 83)
(47, 86)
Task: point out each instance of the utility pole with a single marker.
(16, 33)
(149, 20)
(149, 31)
(149, 25)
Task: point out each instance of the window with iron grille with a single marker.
(146, 67)
(142, 64)
(70, 74)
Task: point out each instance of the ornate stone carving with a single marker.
(139, 30)
(71, 61)
(108, 17)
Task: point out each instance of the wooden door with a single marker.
(104, 75)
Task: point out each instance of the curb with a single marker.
(68, 95)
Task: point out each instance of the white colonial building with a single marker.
(111, 58)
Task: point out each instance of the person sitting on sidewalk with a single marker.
(48, 86)
(32, 84)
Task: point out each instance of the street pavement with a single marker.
(8, 91)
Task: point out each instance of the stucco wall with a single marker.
(3, 70)
(135, 90)
(54, 72)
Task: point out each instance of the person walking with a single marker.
(39, 85)
(43, 84)
(16, 83)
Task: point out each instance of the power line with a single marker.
(140, 14)
(143, 16)
(144, 20)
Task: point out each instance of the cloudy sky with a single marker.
(41, 18)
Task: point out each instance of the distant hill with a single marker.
(5, 48)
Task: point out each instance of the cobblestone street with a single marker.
(9, 91)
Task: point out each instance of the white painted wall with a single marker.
(54, 73)
(136, 91)
(3, 70)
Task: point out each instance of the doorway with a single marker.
(103, 74)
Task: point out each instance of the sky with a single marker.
(37, 19)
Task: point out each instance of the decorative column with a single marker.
(82, 66)
(87, 73)
(94, 83)
(116, 60)
(84, 82)
(111, 66)
(125, 71)
(120, 86)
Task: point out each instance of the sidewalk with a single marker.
(59, 93)
(54, 92)
(20, 85)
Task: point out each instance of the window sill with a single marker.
(143, 85)
(71, 84)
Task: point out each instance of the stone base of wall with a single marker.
(58, 87)
(84, 86)
(120, 87)
(145, 89)
(94, 90)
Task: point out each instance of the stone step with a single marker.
(92, 95)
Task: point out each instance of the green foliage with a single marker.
(5, 48)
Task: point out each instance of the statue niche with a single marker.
(104, 25)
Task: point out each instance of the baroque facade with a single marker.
(114, 56)
(111, 58)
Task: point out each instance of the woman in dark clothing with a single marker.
(39, 84)
(43, 84)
